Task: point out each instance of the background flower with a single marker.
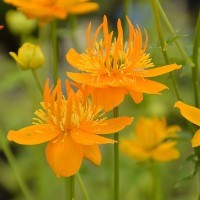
(152, 141)
(47, 10)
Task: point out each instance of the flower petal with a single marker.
(73, 57)
(108, 97)
(189, 112)
(35, 134)
(196, 139)
(95, 80)
(146, 86)
(92, 153)
(83, 8)
(160, 70)
(111, 125)
(64, 156)
(136, 96)
(85, 138)
(166, 152)
(132, 149)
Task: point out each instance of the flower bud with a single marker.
(29, 56)
(18, 24)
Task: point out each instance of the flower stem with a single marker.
(156, 190)
(195, 73)
(72, 187)
(116, 159)
(82, 186)
(72, 31)
(55, 50)
(171, 30)
(162, 43)
(37, 81)
(12, 162)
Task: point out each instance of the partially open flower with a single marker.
(192, 114)
(48, 10)
(29, 56)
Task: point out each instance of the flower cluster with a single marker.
(110, 69)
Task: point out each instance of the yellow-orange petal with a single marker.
(131, 148)
(146, 86)
(92, 153)
(73, 57)
(35, 134)
(108, 97)
(166, 152)
(136, 96)
(85, 138)
(160, 70)
(196, 139)
(83, 8)
(189, 112)
(64, 156)
(95, 80)
(112, 125)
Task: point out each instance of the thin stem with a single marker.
(80, 181)
(162, 44)
(171, 30)
(155, 181)
(195, 73)
(12, 162)
(199, 184)
(72, 31)
(72, 187)
(37, 80)
(55, 50)
(125, 12)
(116, 159)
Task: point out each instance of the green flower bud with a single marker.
(18, 24)
(29, 56)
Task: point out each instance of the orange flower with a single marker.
(1, 27)
(193, 115)
(152, 141)
(47, 10)
(114, 67)
(72, 127)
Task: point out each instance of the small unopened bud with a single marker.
(29, 56)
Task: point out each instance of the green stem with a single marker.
(37, 81)
(72, 187)
(116, 159)
(55, 50)
(72, 31)
(82, 186)
(162, 44)
(12, 162)
(199, 184)
(195, 73)
(126, 6)
(156, 190)
(171, 30)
